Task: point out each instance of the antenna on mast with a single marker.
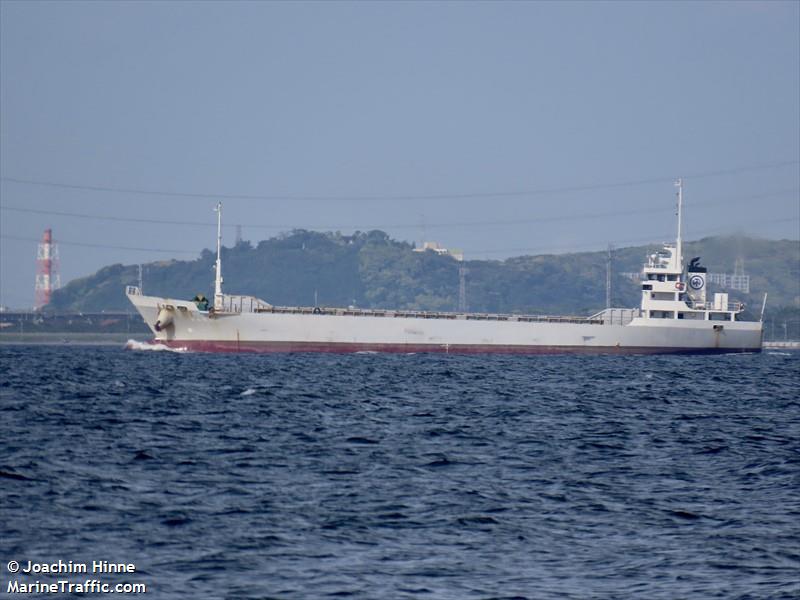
(218, 278)
(679, 242)
(609, 269)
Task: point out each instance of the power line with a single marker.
(517, 221)
(645, 240)
(59, 213)
(395, 197)
(648, 240)
(104, 246)
(544, 249)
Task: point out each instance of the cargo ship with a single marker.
(675, 316)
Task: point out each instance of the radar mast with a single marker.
(218, 278)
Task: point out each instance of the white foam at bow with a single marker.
(137, 345)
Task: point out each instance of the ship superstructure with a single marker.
(674, 316)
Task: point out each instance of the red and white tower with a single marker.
(47, 278)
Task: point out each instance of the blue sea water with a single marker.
(417, 476)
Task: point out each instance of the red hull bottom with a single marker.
(345, 348)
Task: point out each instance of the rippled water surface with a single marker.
(372, 476)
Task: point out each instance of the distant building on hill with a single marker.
(439, 249)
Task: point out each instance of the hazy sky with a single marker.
(495, 126)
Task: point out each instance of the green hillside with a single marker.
(372, 270)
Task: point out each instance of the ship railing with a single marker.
(418, 314)
(617, 316)
(246, 304)
(132, 290)
(727, 307)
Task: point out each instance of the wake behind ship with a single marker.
(674, 316)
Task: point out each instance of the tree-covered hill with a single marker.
(372, 270)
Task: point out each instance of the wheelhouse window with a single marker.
(662, 295)
(691, 316)
(662, 314)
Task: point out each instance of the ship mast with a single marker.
(679, 241)
(218, 278)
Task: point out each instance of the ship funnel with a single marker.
(697, 281)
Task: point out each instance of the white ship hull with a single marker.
(300, 330)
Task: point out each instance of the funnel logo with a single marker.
(696, 282)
